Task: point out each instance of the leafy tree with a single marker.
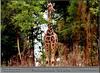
(19, 16)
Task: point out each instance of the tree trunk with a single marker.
(88, 39)
(18, 47)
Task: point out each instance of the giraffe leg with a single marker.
(47, 60)
(53, 50)
(52, 56)
(47, 55)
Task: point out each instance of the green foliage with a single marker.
(94, 7)
(2, 27)
(26, 13)
(18, 15)
(73, 7)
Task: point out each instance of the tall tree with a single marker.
(22, 15)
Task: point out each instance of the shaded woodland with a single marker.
(76, 23)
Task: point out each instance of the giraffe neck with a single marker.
(50, 31)
(50, 11)
(49, 21)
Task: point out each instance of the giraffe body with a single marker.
(50, 44)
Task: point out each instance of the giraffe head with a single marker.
(50, 7)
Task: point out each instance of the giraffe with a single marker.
(50, 40)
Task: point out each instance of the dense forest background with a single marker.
(74, 21)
